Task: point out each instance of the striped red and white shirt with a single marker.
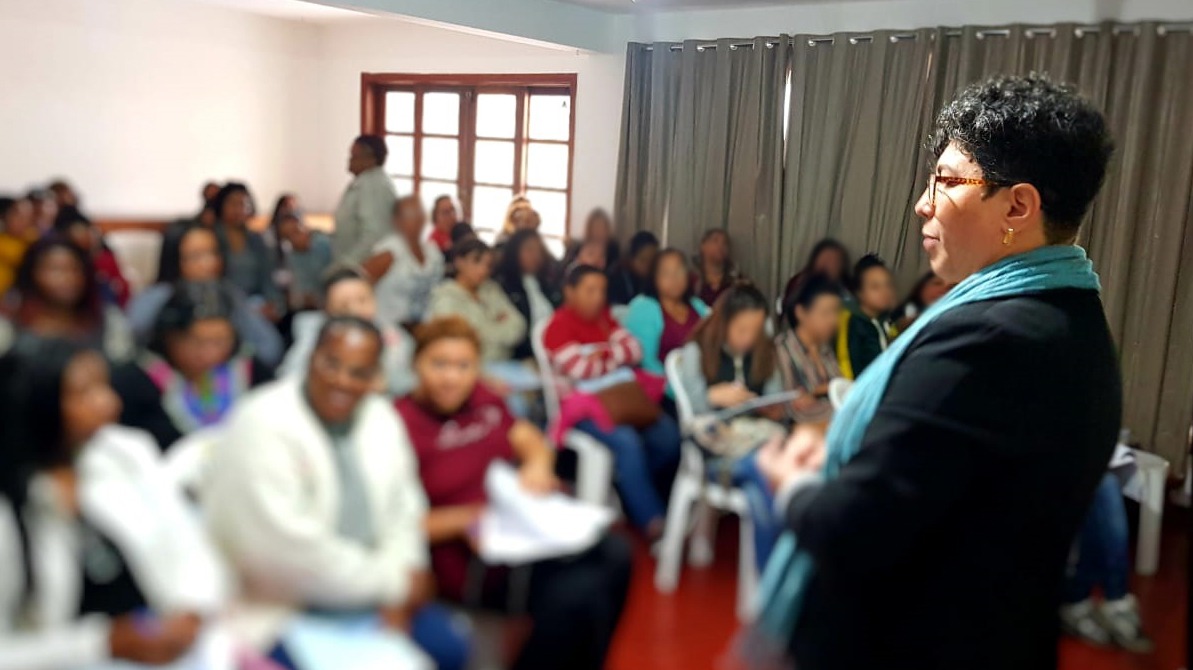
(581, 349)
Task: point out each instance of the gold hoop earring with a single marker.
(1008, 237)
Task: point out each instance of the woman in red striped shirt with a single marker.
(590, 351)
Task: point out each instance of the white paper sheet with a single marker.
(519, 527)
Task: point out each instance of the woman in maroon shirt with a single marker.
(458, 428)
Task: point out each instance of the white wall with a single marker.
(139, 101)
(348, 49)
(862, 15)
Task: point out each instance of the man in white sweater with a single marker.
(315, 498)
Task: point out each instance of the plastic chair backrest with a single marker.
(550, 391)
(619, 313)
(683, 402)
(838, 389)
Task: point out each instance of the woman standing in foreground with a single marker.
(931, 528)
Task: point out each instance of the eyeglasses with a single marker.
(935, 179)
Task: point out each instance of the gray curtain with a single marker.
(647, 131)
(859, 113)
(711, 156)
(1139, 232)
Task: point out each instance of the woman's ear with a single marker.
(1024, 207)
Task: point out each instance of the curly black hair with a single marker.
(1033, 131)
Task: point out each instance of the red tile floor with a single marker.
(693, 628)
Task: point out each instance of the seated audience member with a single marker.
(314, 498)
(926, 292)
(598, 231)
(524, 274)
(17, 232)
(286, 205)
(444, 218)
(104, 563)
(829, 259)
(404, 266)
(205, 217)
(518, 216)
(806, 356)
(248, 264)
(715, 271)
(45, 209)
(193, 255)
(666, 314)
(591, 254)
(865, 329)
(459, 428)
(629, 277)
(64, 194)
(731, 360)
(1101, 561)
(587, 349)
(194, 370)
(480, 301)
(57, 295)
(308, 255)
(347, 292)
(77, 228)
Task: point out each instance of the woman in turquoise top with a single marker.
(663, 317)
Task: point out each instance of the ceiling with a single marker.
(623, 6)
(297, 10)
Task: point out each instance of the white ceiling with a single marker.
(297, 10)
(622, 6)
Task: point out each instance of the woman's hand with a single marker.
(802, 453)
(447, 524)
(538, 478)
(422, 591)
(728, 394)
(141, 639)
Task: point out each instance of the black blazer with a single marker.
(515, 290)
(943, 544)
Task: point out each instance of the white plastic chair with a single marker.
(619, 313)
(137, 253)
(1147, 486)
(692, 489)
(594, 467)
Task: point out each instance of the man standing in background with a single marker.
(366, 209)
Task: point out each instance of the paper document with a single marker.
(357, 642)
(761, 402)
(519, 527)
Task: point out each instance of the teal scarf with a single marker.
(789, 569)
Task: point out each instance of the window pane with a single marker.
(399, 112)
(401, 155)
(403, 186)
(547, 165)
(430, 190)
(550, 117)
(553, 208)
(488, 206)
(495, 162)
(441, 158)
(495, 115)
(441, 113)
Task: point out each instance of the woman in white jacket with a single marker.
(102, 561)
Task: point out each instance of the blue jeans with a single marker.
(1101, 547)
(644, 464)
(744, 473)
(433, 629)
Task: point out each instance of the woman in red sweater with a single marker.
(458, 428)
(588, 351)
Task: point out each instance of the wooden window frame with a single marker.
(374, 86)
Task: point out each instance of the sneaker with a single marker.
(1120, 619)
(1079, 621)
